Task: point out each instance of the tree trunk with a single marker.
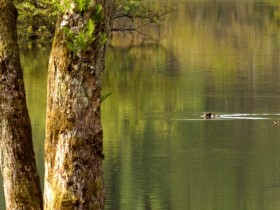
(17, 161)
(73, 146)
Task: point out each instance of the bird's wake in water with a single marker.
(234, 116)
(246, 116)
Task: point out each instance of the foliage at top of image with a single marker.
(37, 18)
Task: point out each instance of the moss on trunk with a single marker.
(17, 161)
(73, 147)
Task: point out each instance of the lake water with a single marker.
(213, 56)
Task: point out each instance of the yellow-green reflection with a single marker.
(35, 64)
(220, 56)
(217, 56)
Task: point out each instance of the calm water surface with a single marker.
(214, 56)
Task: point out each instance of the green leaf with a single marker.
(105, 96)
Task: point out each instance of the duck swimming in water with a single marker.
(276, 122)
(209, 115)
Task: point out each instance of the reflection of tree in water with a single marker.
(158, 59)
(140, 22)
(231, 13)
(131, 38)
(142, 100)
(235, 19)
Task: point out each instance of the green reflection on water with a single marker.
(160, 156)
(35, 63)
(218, 57)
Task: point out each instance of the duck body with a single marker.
(209, 115)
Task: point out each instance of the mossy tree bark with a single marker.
(73, 146)
(17, 161)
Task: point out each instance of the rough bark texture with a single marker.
(73, 146)
(17, 161)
